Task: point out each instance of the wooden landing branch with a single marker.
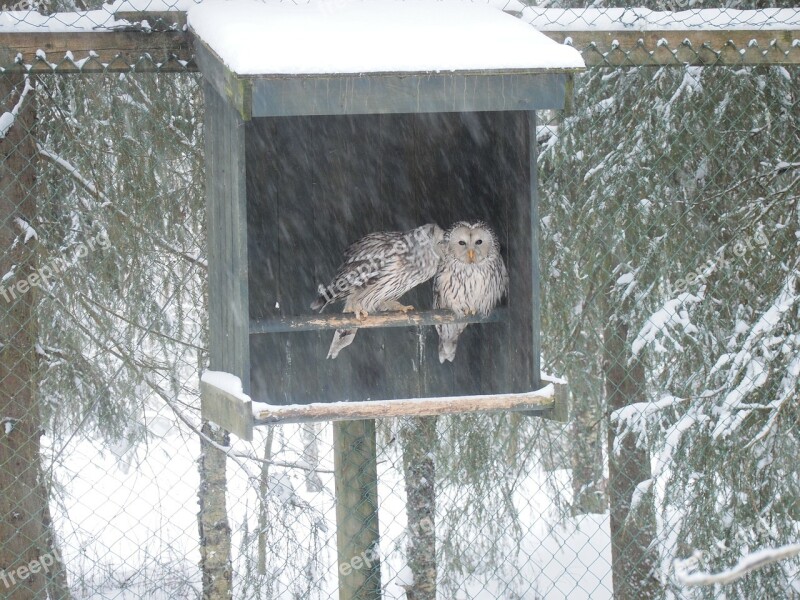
(343, 321)
(540, 400)
(236, 413)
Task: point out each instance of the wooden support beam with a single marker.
(355, 467)
(346, 320)
(560, 410)
(698, 47)
(98, 52)
(540, 400)
(232, 412)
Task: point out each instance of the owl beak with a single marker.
(471, 255)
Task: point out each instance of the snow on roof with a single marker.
(372, 36)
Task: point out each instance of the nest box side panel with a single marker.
(536, 275)
(227, 244)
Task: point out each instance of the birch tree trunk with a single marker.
(418, 436)
(215, 531)
(311, 456)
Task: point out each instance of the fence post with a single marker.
(357, 535)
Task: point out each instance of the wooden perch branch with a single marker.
(344, 321)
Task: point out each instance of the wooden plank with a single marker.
(389, 93)
(102, 51)
(227, 410)
(357, 527)
(560, 410)
(123, 51)
(516, 151)
(535, 267)
(236, 90)
(227, 244)
(264, 256)
(541, 400)
(695, 47)
(392, 319)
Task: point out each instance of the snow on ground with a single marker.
(127, 523)
(575, 560)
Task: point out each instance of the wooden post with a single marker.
(357, 535)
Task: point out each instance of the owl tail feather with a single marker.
(447, 349)
(323, 299)
(448, 341)
(342, 338)
(318, 304)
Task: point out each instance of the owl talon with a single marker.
(394, 305)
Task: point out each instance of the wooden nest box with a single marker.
(325, 124)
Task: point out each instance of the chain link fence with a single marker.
(670, 256)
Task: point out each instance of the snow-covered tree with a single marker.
(670, 202)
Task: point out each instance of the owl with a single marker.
(377, 270)
(471, 279)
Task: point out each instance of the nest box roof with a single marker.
(372, 36)
(334, 57)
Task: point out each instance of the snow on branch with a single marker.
(74, 173)
(634, 419)
(106, 202)
(673, 315)
(685, 568)
(749, 366)
(7, 118)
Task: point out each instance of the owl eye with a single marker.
(478, 242)
(462, 243)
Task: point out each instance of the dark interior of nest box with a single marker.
(315, 184)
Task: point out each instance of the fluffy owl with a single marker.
(471, 279)
(377, 270)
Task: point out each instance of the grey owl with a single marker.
(471, 279)
(377, 270)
